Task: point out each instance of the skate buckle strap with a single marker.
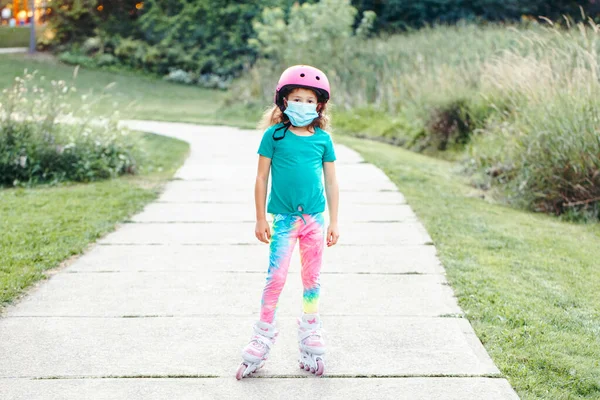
(307, 334)
(264, 340)
(266, 333)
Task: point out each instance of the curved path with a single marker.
(168, 299)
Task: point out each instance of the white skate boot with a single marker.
(257, 350)
(312, 346)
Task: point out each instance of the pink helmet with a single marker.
(302, 76)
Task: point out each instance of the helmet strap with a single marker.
(286, 126)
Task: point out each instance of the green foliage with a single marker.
(72, 20)
(208, 81)
(402, 14)
(549, 159)
(118, 17)
(375, 124)
(35, 147)
(131, 52)
(309, 31)
(323, 35)
(449, 125)
(217, 37)
(105, 60)
(219, 44)
(366, 25)
(76, 59)
(200, 37)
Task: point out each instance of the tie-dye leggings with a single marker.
(287, 229)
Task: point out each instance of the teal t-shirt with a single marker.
(296, 170)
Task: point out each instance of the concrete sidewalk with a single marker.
(13, 50)
(168, 299)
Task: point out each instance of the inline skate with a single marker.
(257, 350)
(311, 344)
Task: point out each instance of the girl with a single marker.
(296, 151)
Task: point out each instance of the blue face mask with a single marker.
(301, 114)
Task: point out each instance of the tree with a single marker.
(400, 14)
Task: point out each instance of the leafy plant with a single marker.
(200, 37)
(45, 140)
(401, 14)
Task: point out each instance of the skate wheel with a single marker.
(301, 366)
(320, 368)
(306, 367)
(240, 372)
(312, 370)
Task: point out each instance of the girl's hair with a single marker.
(274, 115)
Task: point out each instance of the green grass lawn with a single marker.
(14, 37)
(43, 226)
(528, 283)
(137, 96)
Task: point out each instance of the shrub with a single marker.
(548, 157)
(327, 22)
(543, 152)
(322, 36)
(208, 81)
(75, 58)
(402, 14)
(131, 52)
(372, 123)
(201, 37)
(35, 147)
(449, 125)
(105, 60)
(92, 45)
(213, 81)
(154, 60)
(180, 76)
(72, 20)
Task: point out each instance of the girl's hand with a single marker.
(333, 234)
(262, 231)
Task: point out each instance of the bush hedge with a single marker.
(202, 38)
(401, 14)
(35, 147)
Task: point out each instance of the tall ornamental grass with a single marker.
(45, 139)
(544, 149)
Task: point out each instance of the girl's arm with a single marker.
(262, 230)
(333, 197)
